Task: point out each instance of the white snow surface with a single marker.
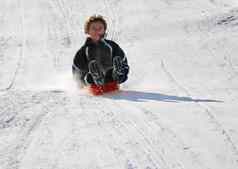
(178, 110)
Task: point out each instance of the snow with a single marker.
(178, 110)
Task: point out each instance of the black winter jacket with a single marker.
(103, 52)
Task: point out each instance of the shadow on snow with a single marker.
(139, 96)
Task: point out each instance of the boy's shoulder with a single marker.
(111, 42)
(81, 50)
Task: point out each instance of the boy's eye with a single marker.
(97, 28)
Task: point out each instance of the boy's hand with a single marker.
(119, 67)
(97, 75)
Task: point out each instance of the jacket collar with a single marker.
(89, 41)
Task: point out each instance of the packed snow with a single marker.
(178, 109)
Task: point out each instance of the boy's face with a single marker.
(96, 30)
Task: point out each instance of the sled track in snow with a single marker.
(47, 101)
(53, 36)
(26, 136)
(228, 59)
(100, 120)
(155, 149)
(156, 158)
(226, 21)
(153, 154)
(18, 104)
(118, 124)
(167, 139)
(206, 26)
(52, 114)
(61, 5)
(21, 48)
(63, 37)
(209, 113)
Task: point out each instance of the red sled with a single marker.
(101, 89)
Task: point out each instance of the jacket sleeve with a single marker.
(80, 65)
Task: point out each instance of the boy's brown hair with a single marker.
(94, 18)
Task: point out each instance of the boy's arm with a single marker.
(119, 52)
(120, 64)
(80, 65)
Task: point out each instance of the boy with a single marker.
(99, 64)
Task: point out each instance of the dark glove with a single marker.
(118, 66)
(95, 72)
(120, 69)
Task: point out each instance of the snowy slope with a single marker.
(178, 110)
